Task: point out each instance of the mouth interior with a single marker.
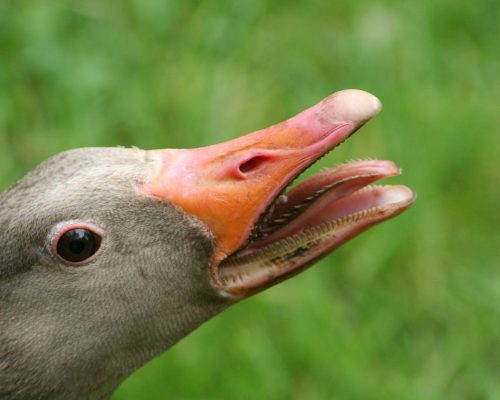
(307, 221)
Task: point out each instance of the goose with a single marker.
(109, 256)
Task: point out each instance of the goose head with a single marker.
(109, 256)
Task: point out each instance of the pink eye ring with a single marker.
(77, 243)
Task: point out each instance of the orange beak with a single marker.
(229, 185)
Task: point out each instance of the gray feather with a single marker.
(77, 332)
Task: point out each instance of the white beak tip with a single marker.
(351, 105)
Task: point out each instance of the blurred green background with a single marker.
(409, 310)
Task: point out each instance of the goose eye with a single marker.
(77, 244)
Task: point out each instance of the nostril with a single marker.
(252, 164)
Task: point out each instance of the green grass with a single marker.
(410, 310)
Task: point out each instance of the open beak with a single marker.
(262, 232)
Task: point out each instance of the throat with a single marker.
(69, 356)
(23, 375)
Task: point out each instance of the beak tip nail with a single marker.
(353, 106)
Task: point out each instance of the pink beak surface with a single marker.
(230, 186)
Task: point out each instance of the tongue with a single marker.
(341, 180)
(325, 197)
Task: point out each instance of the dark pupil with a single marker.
(78, 244)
